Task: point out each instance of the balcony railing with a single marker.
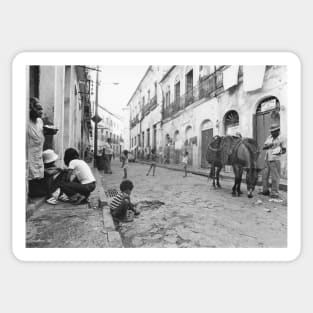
(208, 87)
(151, 105)
(134, 121)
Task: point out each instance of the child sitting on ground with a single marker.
(81, 181)
(124, 166)
(121, 205)
(185, 162)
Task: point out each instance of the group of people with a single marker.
(121, 206)
(73, 183)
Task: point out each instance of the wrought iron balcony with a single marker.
(150, 106)
(134, 121)
(207, 88)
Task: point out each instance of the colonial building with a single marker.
(199, 102)
(146, 112)
(64, 93)
(111, 126)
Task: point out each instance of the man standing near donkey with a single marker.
(275, 148)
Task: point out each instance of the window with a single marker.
(148, 137)
(189, 87)
(155, 88)
(148, 95)
(167, 98)
(231, 122)
(189, 82)
(177, 93)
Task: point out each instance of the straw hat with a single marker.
(274, 127)
(49, 156)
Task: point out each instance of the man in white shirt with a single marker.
(275, 147)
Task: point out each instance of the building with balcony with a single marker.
(195, 103)
(203, 101)
(111, 126)
(145, 106)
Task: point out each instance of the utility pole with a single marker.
(95, 151)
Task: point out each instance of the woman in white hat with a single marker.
(52, 176)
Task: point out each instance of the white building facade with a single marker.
(199, 102)
(145, 108)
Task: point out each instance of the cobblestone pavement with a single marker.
(188, 212)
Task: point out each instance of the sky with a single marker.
(115, 98)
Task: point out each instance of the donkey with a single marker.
(241, 154)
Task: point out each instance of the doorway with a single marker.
(267, 113)
(206, 139)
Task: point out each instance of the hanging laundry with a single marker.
(230, 76)
(253, 77)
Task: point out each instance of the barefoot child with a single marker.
(121, 205)
(153, 162)
(185, 162)
(125, 163)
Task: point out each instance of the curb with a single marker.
(283, 187)
(113, 236)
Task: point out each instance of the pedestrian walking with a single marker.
(121, 205)
(185, 163)
(81, 180)
(153, 157)
(36, 132)
(108, 151)
(275, 148)
(124, 166)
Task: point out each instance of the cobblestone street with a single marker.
(188, 212)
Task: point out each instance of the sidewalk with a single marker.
(72, 226)
(205, 172)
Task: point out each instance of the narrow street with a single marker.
(188, 212)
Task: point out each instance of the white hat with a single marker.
(49, 156)
(274, 127)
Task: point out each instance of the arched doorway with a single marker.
(231, 122)
(206, 138)
(188, 134)
(267, 112)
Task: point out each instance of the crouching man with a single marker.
(121, 205)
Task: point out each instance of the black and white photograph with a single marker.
(156, 156)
